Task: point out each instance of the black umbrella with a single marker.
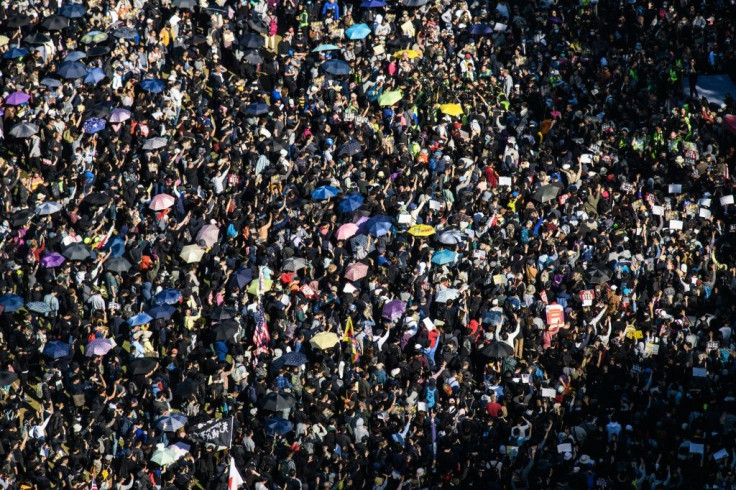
(97, 199)
(275, 401)
(186, 388)
(184, 4)
(196, 40)
(350, 148)
(98, 111)
(253, 58)
(274, 146)
(55, 23)
(546, 193)
(7, 378)
(252, 41)
(597, 275)
(118, 264)
(76, 251)
(37, 38)
(258, 25)
(497, 350)
(97, 51)
(17, 20)
(142, 365)
(242, 277)
(225, 330)
(21, 217)
(223, 313)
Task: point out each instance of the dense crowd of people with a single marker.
(342, 244)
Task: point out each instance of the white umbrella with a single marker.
(209, 234)
(192, 253)
(451, 237)
(164, 456)
(49, 207)
(445, 295)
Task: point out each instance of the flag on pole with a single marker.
(261, 337)
(349, 336)
(93, 486)
(234, 479)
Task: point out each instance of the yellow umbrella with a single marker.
(410, 53)
(192, 253)
(253, 287)
(4, 40)
(324, 340)
(451, 109)
(421, 230)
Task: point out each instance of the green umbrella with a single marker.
(390, 98)
(94, 37)
(164, 456)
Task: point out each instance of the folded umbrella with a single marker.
(142, 365)
(98, 347)
(24, 130)
(38, 307)
(278, 401)
(356, 271)
(139, 319)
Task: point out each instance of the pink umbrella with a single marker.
(209, 234)
(161, 202)
(120, 115)
(356, 271)
(346, 231)
(362, 220)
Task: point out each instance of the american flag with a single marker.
(261, 337)
(93, 486)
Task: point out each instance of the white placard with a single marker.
(434, 205)
(704, 213)
(725, 200)
(720, 454)
(704, 202)
(422, 406)
(524, 378)
(564, 448)
(697, 448)
(674, 188)
(404, 218)
(586, 158)
(549, 392)
(700, 372)
(676, 224)
(504, 181)
(658, 210)
(500, 27)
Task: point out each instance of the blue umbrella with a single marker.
(443, 257)
(325, 192)
(325, 47)
(139, 319)
(93, 125)
(125, 33)
(278, 426)
(492, 317)
(172, 422)
(167, 297)
(72, 69)
(51, 82)
(152, 85)
(117, 246)
(11, 302)
(481, 29)
(14, 53)
(94, 76)
(242, 277)
(255, 109)
(75, 56)
(350, 203)
(378, 225)
(162, 312)
(373, 4)
(357, 31)
(293, 359)
(38, 307)
(336, 67)
(72, 10)
(56, 349)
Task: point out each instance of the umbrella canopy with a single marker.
(325, 47)
(451, 237)
(444, 257)
(56, 349)
(172, 422)
(17, 20)
(94, 76)
(497, 350)
(451, 109)
(169, 296)
(51, 82)
(336, 67)
(98, 347)
(11, 302)
(181, 449)
(208, 234)
(164, 456)
(346, 231)
(252, 41)
(415, 3)
(120, 115)
(49, 261)
(412, 54)
(373, 4)
(192, 253)
(152, 85)
(350, 148)
(255, 109)
(97, 198)
(546, 193)
(421, 230)
(139, 319)
(187, 388)
(357, 31)
(118, 264)
(72, 10)
(278, 426)
(325, 192)
(38, 307)
(94, 125)
(162, 312)
(222, 313)
(356, 271)
(350, 203)
(7, 378)
(161, 202)
(185, 4)
(96, 51)
(597, 275)
(242, 277)
(324, 340)
(378, 225)
(94, 37)
(125, 33)
(393, 310)
(37, 38)
(293, 359)
(77, 252)
(253, 287)
(155, 143)
(253, 58)
(277, 401)
(142, 365)
(21, 217)
(24, 130)
(55, 23)
(492, 317)
(17, 98)
(481, 30)
(75, 55)
(390, 98)
(445, 295)
(72, 69)
(294, 264)
(226, 330)
(15, 53)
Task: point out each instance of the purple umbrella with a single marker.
(52, 260)
(393, 310)
(119, 115)
(17, 98)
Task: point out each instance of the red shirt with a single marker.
(493, 408)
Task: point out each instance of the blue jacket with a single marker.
(331, 6)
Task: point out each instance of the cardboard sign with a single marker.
(587, 296)
(700, 372)
(549, 392)
(555, 315)
(652, 349)
(720, 455)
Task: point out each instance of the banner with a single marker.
(217, 432)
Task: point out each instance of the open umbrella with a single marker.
(222, 313)
(226, 330)
(15, 53)
(597, 275)
(252, 41)
(55, 23)
(21, 217)
(257, 24)
(357, 32)
(56, 349)
(336, 67)
(412, 54)
(93, 125)
(356, 271)
(118, 264)
(209, 235)
(278, 426)
(451, 109)
(421, 230)
(94, 76)
(161, 202)
(152, 85)
(378, 225)
(372, 4)
(451, 237)
(38, 307)
(72, 10)
(277, 401)
(445, 295)
(94, 37)
(139, 319)
(17, 98)
(49, 261)
(255, 109)
(155, 143)
(120, 115)
(97, 198)
(350, 148)
(142, 365)
(185, 4)
(77, 252)
(96, 51)
(181, 449)
(325, 192)
(24, 130)
(294, 264)
(99, 111)
(72, 69)
(11, 302)
(393, 310)
(171, 422)
(186, 388)
(242, 277)
(125, 32)
(324, 340)
(253, 58)
(390, 98)
(162, 312)
(16, 21)
(414, 3)
(481, 30)
(443, 257)
(75, 56)
(325, 47)
(346, 231)
(350, 203)
(169, 296)
(7, 378)
(545, 193)
(293, 359)
(163, 456)
(497, 350)
(50, 82)
(192, 253)
(492, 317)
(98, 347)
(253, 287)
(37, 38)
